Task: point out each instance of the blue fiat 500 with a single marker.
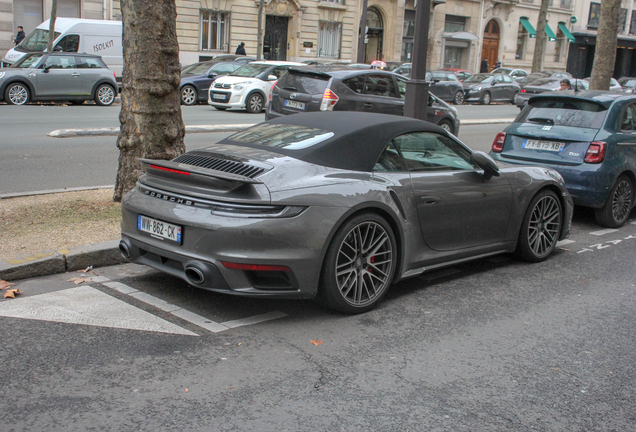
(589, 138)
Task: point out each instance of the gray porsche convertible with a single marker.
(336, 206)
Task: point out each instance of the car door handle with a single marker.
(75, 74)
(429, 200)
(368, 105)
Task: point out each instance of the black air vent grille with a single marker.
(217, 164)
(223, 86)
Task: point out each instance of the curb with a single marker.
(72, 133)
(63, 260)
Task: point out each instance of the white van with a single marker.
(99, 37)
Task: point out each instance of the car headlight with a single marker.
(239, 86)
(454, 110)
(476, 88)
(1, 74)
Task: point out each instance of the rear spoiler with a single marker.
(178, 168)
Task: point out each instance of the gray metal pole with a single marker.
(259, 44)
(416, 99)
(363, 33)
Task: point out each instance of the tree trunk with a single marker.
(150, 117)
(606, 40)
(539, 45)
(49, 46)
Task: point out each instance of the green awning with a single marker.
(526, 24)
(566, 32)
(550, 33)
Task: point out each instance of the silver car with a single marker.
(58, 76)
(338, 206)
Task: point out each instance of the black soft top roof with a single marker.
(358, 140)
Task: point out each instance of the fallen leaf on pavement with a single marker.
(11, 293)
(317, 342)
(5, 284)
(77, 280)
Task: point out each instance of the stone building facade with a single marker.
(463, 31)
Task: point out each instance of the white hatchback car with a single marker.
(248, 87)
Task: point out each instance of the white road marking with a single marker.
(87, 306)
(154, 301)
(603, 232)
(564, 242)
(256, 319)
(124, 289)
(199, 320)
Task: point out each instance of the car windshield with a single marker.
(37, 40)
(564, 112)
(28, 61)
(479, 78)
(251, 70)
(502, 71)
(282, 136)
(196, 69)
(547, 82)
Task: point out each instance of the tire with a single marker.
(459, 98)
(17, 94)
(362, 281)
(514, 96)
(616, 210)
(220, 109)
(485, 99)
(254, 103)
(540, 228)
(104, 95)
(189, 95)
(446, 125)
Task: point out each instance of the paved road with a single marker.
(494, 345)
(31, 161)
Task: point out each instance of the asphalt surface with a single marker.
(494, 345)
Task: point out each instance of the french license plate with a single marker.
(543, 145)
(294, 104)
(159, 229)
(218, 96)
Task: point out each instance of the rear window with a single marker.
(303, 83)
(282, 136)
(567, 112)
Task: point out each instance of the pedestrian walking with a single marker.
(498, 64)
(484, 66)
(20, 36)
(241, 49)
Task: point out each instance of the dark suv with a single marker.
(338, 88)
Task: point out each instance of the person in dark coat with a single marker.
(498, 64)
(241, 49)
(484, 66)
(20, 36)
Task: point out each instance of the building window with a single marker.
(632, 26)
(454, 23)
(566, 4)
(528, 1)
(522, 35)
(329, 39)
(622, 21)
(408, 33)
(595, 15)
(215, 28)
(334, 1)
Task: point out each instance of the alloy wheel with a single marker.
(255, 104)
(459, 98)
(544, 226)
(622, 200)
(18, 94)
(106, 95)
(363, 264)
(188, 95)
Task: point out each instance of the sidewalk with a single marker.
(107, 253)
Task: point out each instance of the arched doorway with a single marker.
(490, 48)
(375, 33)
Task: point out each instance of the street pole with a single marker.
(259, 43)
(416, 101)
(363, 32)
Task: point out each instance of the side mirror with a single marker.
(435, 81)
(485, 162)
(271, 78)
(58, 49)
(46, 68)
(430, 101)
(212, 74)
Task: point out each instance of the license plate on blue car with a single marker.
(543, 145)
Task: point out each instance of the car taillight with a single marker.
(329, 99)
(498, 143)
(595, 152)
(114, 76)
(522, 91)
(271, 91)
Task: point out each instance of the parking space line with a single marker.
(565, 242)
(603, 232)
(124, 289)
(154, 301)
(200, 321)
(256, 319)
